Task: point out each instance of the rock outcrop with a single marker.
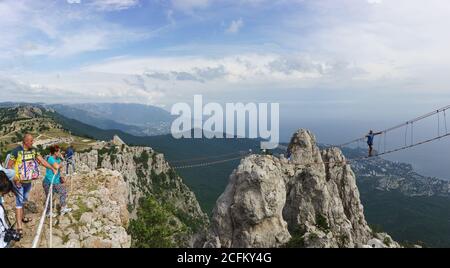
(147, 173)
(99, 218)
(310, 200)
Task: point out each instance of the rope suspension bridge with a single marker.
(409, 139)
(409, 142)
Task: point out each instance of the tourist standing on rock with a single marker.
(59, 188)
(370, 137)
(69, 159)
(25, 161)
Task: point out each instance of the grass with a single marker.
(82, 208)
(65, 238)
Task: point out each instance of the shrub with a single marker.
(153, 228)
(322, 223)
(297, 239)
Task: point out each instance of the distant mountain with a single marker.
(96, 120)
(136, 119)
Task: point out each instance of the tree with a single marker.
(154, 227)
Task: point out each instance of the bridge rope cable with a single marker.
(205, 164)
(445, 122)
(329, 162)
(412, 145)
(51, 219)
(42, 220)
(438, 124)
(206, 158)
(406, 135)
(384, 152)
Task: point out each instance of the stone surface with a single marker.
(140, 167)
(313, 196)
(102, 225)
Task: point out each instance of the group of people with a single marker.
(22, 168)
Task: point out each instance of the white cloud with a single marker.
(353, 44)
(190, 5)
(235, 26)
(77, 86)
(53, 30)
(391, 42)
(170, 17)
(74, 1)
(95, 39)
(114, 5)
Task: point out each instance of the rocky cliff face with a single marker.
(146, 173)
(99, 218)
(310, 200)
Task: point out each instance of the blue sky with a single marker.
(332, 56)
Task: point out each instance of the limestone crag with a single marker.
(99, 218)
(146, 172)
(310, 200)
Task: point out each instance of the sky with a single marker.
(339, 67)
(329, 59)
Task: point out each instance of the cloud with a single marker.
(170, 17)
(108, 5)
(76, 86)
(190, 5)
(210, 73)
(87, 40)
(254, 70)
(114, 5)
(374, 1)
(289, 44)
(201, 75)
(58, 31)
(235, 26)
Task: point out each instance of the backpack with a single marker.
(28, 170)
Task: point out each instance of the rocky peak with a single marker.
(29, 111)
(148, 174)
(310, 201)
(117, 141)
(303, 148)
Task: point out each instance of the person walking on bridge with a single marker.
(370, 137)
